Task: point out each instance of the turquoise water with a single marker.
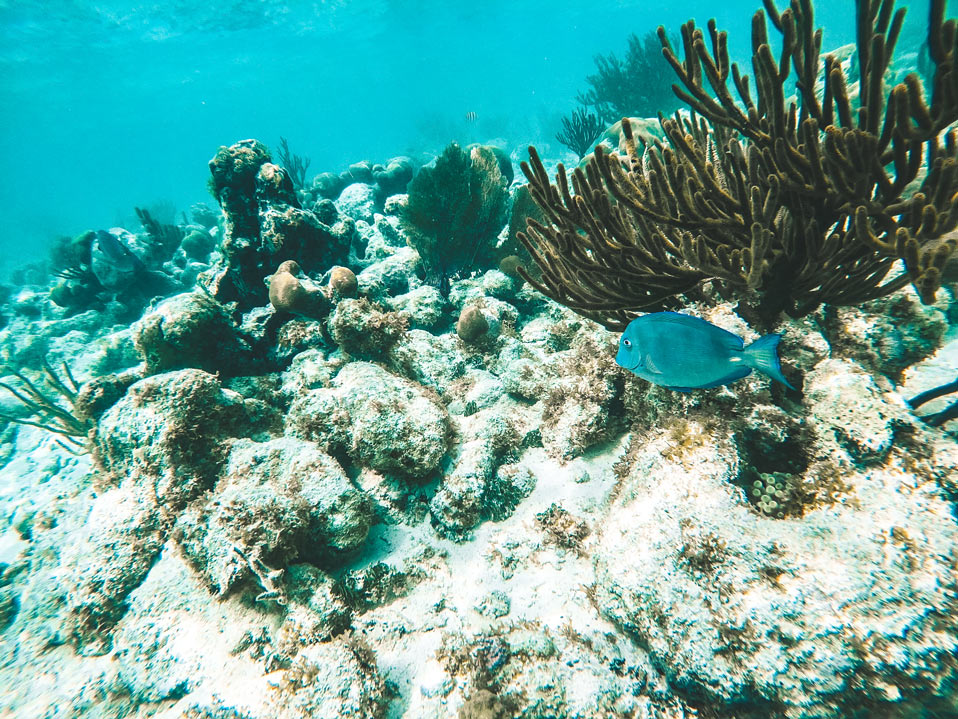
(355, 449)
(104, 106)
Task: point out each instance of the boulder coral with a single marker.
(471, 324)
(342, 282)
(380, 420)
(291, 291)
(275, 501)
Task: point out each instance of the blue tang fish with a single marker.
(682, 352)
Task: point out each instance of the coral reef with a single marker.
(753, 597)
(386, 179)
(276, 501)
(318, 486)
(380, 420)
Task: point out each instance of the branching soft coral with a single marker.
(786, 204)
(42, 399)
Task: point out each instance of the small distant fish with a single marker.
(683, 353)
(471, 116)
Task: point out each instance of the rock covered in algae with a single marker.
(167, 434)
(379, 419)
(280, 499)
(850, 404)
(582, 405)
(120, 540)
(358, 201)
(434, 362)
(887, 335)
(781, 615)
(162, 443)
(189, 330)
(479, 485)
(424, 306)
(315, 611)
(334, 679)
(265, 225)
(365, 330)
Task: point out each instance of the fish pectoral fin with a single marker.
(650, 365)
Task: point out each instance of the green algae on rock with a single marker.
(378, 419)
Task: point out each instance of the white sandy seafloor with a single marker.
(653, 588)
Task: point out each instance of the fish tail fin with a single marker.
(762, 354)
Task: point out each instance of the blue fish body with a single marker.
(682, 352)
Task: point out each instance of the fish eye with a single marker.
(627, 343)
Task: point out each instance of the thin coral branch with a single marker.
(165, 238)
(294, 164)
(39, 398)
(580, 131)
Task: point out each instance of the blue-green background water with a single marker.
(108, 105)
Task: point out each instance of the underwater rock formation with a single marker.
(161, 445)
(275, 501)
(166, 434)
(364, 330)
(481, 484)
(190, 330)
(265, 225)
(731, 605)
(380, 420)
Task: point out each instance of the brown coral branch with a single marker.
(790, 204)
